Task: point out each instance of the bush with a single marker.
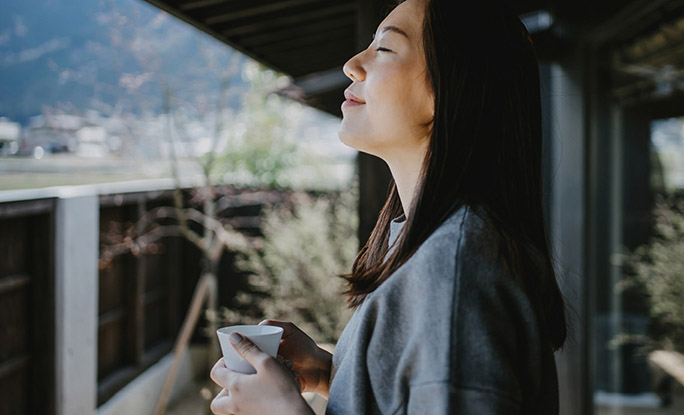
(304, 249)
(659, 269)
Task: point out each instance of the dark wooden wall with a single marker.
(27, 310)
(142, 296)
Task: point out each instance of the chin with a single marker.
(354, 141)
(364, 143)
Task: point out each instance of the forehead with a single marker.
(408, 16)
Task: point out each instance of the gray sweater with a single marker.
(450, 332)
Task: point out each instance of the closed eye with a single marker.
(381, 49)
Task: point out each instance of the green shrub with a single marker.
(305, 248)
(659, 269)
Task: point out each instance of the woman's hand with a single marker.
(271, 390)
(310, 364)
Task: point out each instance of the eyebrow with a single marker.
(392, 28)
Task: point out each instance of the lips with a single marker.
(351, 99)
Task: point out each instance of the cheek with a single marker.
(395, 106)
(422, 100)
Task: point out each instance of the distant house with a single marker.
(10, 132)
(92, 141)
(51, 134)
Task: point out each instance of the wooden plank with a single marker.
(174, 271)
(15, 320)
(138, 312)
(154, 296)
(327, 43)
(294, 34)
(26, 208)
(128, 199)
(13, 282)
(111, 316)
(257, 9)
(15, 240)
(198, 4)
(253, 27)
(42, 331)
(13, 364)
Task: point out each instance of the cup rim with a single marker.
(230, 329)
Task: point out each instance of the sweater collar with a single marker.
(395, 227)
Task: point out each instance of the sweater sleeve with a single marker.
(493, 339)
(496, 349)
(441, 398)
(451, 332)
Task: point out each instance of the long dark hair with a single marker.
(485, 151)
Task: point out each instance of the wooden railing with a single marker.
(79, 329)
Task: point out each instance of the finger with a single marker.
(223, 376)
(300, 381)
(248, 350)
(288, 328)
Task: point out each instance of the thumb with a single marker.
(245, 348)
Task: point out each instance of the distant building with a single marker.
(92, 141)
(51, 134)
(10, 132)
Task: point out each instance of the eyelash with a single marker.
(381, 49)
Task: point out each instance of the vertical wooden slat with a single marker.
(27, 350)
(43, 293)
(138, 292)
(173, 273)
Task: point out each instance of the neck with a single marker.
(406, 171)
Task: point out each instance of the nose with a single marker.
(354, 69)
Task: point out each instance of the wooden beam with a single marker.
(13, 364)
(257, 26)
(631, 19)
(198, 4)
(257, 10)
(26, 208)
(203, 26)
(13, 282)
(296, 33)
(326, 44)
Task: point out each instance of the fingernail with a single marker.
(235, 338)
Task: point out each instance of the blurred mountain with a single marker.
(113, 56)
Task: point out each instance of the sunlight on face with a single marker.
(389, 78)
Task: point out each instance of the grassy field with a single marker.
(64, 170)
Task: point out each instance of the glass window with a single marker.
(638, 348)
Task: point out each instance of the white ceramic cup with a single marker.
(267, 338)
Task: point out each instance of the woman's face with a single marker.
(389, 101)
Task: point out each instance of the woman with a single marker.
(457, 309)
